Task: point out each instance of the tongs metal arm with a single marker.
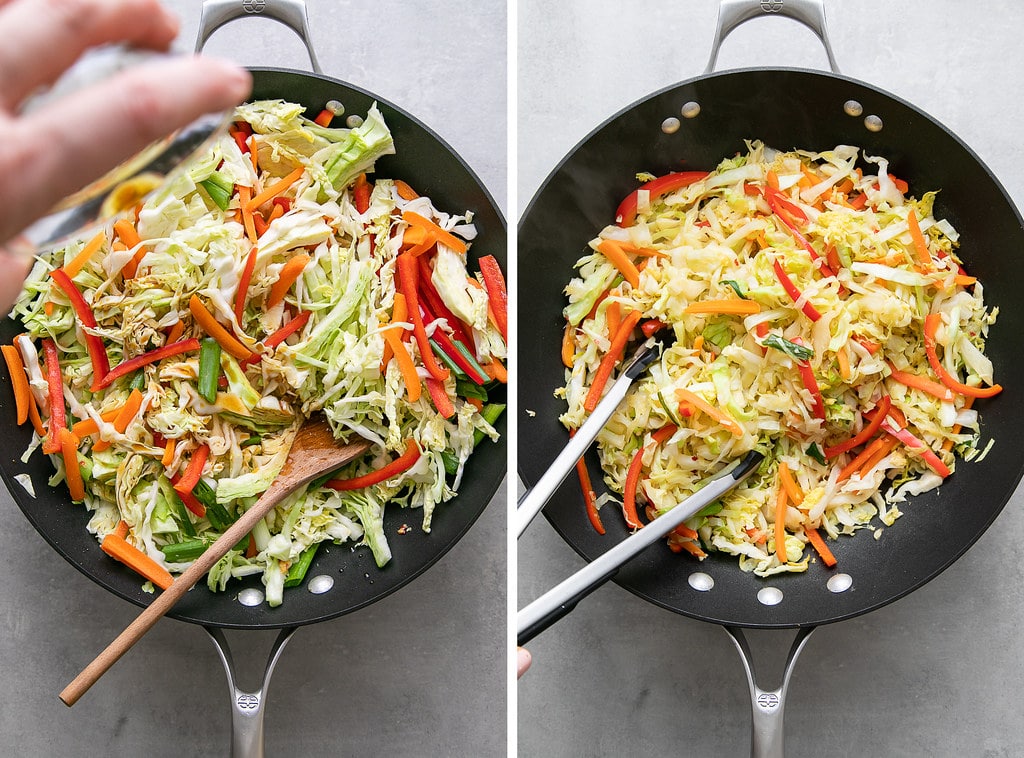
(533, 501)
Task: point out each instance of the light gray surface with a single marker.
(422, 672)
(935, 674)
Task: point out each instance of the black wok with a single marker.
(786, 109)
(427, 163)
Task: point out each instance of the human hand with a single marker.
(59, 148)
(523, 661)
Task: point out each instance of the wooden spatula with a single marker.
(314, 452)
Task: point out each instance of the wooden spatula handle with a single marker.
(166, 600)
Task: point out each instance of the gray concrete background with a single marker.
(422, 672)
(935, 674)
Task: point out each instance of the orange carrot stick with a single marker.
(244, 195)
(618, 258)
(719, 415)
(290, 271)
(72, 466)
(496, 370)
(177, 329)
(629, 492)
(76, 264)
(792, 488)
(844, 363)
(122, 529)
(19, 382)
(780, 525)
(861, 459)
(275, 189)
(924, 257)
(568, 345)
(124, 417)
(405, 363)
(819, 545)
(125, 231)
(212, 327)
(611, 358)
(119, 549)
(168, 457)
(439, 234)
(613, 315)
(405, 191)
(399, 314)
(87, 427)
(935, 389)
(732, 306)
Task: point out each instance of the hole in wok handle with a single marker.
(247, 707)
(767, 706)
(732, 13)
(291, 13)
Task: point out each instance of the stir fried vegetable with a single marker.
(819, 314)
(184, 345)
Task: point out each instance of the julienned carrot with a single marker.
(55, 387)
(324, 118)
(935, 389)
(405, 191)
(87, 427)
(947, 445)
(589, 498)
(125, 231)
(405, 363)
(124, 416)
(843, 359)
(887, 447)
(613, 315)
(780, 525)
(399, 314)
(168, 457)
(568, 345)
(931, 326)
(870, 345)
(72, 466)
(129, 366)
(119, 549)
(121, 530)
(275, 189)
(819, 545)
(881, 409)
(497, 295)
(629, 493)
(244, 196)
(76, 264)
(924, 257)
(290, 271)
(402, 463)
(497, 371)
(792, 488)
(177, 329)
(864, 456)
(664, 433)
(212, 327)
(243, 283)
(611, 250)
(611, 358)
(723, 418)
(19, 382)
(361, 191)
(729, 306)
(439, 234)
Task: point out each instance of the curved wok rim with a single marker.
(17, 491)
(1003, 498)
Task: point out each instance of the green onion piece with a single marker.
(470, 389)
(182, 552)
(737, 287)
(204, 493)
(138, 381)
(459, 373)
(491, 414)
(471, 359)
(793, 350)
(451, 463)
(815, 452)
(218, 516)
(297, 571)
(718, 333)
(219, 188)
(253, 440)
(710, 510)
(183, 515)
(209, 369)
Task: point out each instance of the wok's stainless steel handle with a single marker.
(767, 707)
(291, 13)
(732, 13)
(247, 707)
(533, 501)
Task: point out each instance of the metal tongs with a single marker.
(557, 602)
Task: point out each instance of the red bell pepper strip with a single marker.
(55, 385)
(791, 289)
(780, 205)
(129, 366)
(93, 343)
(651, 326)
(629, 493)
(625, 214)
(440, 398)
(188, 481)
(361, 193)
(288, 329)
(494, 281)
(431, 300)
(243, 284)
(931, 326)
(916, 446)
(407, 275)
(401, 464)
(811, 383)
(241, 140)
(188, 498)
(880, 412)
(464, 360)
(324, 118)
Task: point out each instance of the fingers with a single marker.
(523, 661)
(15, 263)
(66, 144)
(43, 37)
